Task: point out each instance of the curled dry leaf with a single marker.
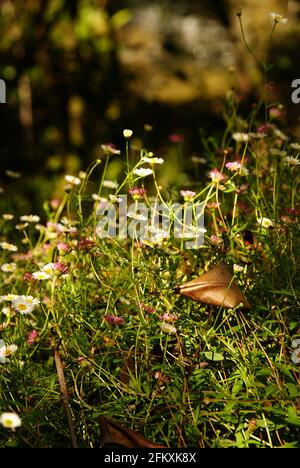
(216, 287)
(113, 435)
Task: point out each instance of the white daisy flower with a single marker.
(114, 198)
(7, 311)
(13, 174)
(137, 216)
(143, 172)
(6, 351)
(7, 246)
(292, 161)
(240, 137)
(30, 218)
(278, 18)
(153, 160)
(22, 226)
(10, 421)
(25, 304)
(265, 222)
(49, 268)
(110, 184)
(277, 152)
(41, 275)
(72, 180)
(279, 134)
(109, 149)
(168, 328)
(127, 133)
(198, 160)
(8, 297)
(238, 268)
(8, 267)
(295, 146)
(8, 216)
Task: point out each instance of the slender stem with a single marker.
(103, 175)
(64, 396)
(246, 43)
(266, 68)
(127, 162)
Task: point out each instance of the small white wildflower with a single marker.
(278, 18)
(157, 239)
(114, 198)
(265, 222)
(153, 160)
(72, 180)
(41, 275)
(292, 161)
(7, 311)
(295, 146)
(137, 216)
(8, 297)
(30, 218)
(277, 152)
(238, 268)
(49, 268)
(198, 160)
(110, 149)
(8, 216)
(22, 226)
(10, 421)
(143, 172)
(257, 135)
(156, 230)
(168, 328)
(127, 133)
(110, 184)
(82, 175)
(188, 195)
(13, 174)
(233, 166)
(24, 304)
(6, 351)
(7, 246)
(8, 267)
(240, 137)
(279, 134)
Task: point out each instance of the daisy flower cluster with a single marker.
(23, 304)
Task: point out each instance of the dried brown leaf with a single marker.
(216, 287)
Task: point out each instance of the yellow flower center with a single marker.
(7, 423)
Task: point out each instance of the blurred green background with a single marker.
(79, 72)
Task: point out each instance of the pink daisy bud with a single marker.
(61, 267)
(114, 320)
(32, 337)
(28, 276)
(62, 246)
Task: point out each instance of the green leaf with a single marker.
(213, 356)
